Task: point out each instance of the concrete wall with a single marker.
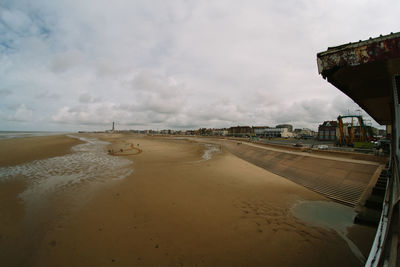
(338, 180)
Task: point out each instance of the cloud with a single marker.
(5, 92)
(100, 114)
(152, 63)
(85, 98)
(158, 93)
(20, 113)
(64, 61)
(48, 95)
(154, 99)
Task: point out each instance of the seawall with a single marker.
(341, 179)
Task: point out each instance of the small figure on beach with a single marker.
(121, 150)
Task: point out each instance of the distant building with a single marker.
(288, 126)
(304, 133)
(260, 130)
(167, 131)
(190, 132)
(382, 132)
(328, 131)
(220, 132)
(278, 132)
(240, 131)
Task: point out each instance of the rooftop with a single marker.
(365, 71)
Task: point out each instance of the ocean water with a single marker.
(88, 162)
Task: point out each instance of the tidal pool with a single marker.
(329, 215)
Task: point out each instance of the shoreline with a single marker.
(174, 209)
(17, 151)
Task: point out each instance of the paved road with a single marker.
(294, 141)
(307, 154)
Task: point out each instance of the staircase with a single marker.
(370, 213)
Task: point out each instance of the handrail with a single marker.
(381, 247)
(376, 251)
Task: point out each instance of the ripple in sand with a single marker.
(89, 162)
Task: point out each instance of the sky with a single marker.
(178, 64)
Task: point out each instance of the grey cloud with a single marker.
(158, 93)
(177, 63)
(5, 92)
(85, 98)
(312, 112)
(66, 60)
(47, 94)
(20, 113)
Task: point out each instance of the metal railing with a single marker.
(384, 248)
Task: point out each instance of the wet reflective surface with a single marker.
(329, 215)
(88, 162)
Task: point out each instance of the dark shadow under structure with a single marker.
(369, 73)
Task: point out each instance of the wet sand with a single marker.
(175, 209)
(20, 150)
(17, 236)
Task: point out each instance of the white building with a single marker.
(278, 132)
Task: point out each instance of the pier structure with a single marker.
(369, 73)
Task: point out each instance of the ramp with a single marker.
(341, 180)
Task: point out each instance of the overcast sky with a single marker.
(80, 65)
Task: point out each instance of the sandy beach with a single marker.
(178, 206)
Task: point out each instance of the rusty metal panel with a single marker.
(378, 49)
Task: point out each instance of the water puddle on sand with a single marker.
(329, 215)
(209, 151)
(88, 162)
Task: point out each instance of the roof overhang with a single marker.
(364, 71)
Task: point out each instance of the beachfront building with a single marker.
(220, 132)
(167, 131)
(278, 132)
(190, 132)
(260, 130)
(240, 131)
(304, 133)
(288, 126)
(328, 131)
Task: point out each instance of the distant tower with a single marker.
(112, 127)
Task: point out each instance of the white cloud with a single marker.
(20, 113)
(151, 63)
